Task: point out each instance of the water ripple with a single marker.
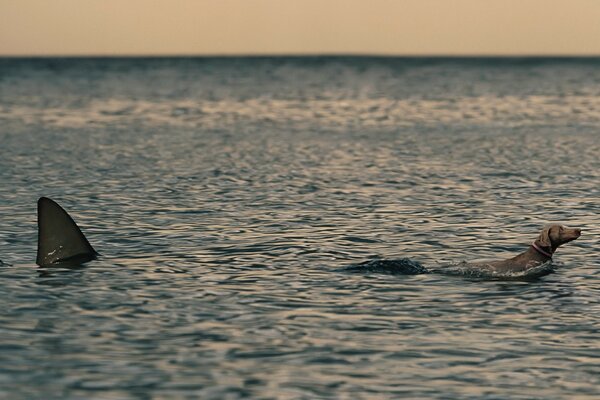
(226, 196)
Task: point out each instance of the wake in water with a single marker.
(400, 266)
(406, 266)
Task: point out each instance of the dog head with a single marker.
(553, 236)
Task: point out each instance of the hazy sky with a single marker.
(404, 27)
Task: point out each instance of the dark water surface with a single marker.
(225, 195)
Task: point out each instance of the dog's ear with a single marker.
(544, 238)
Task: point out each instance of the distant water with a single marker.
(227, 196)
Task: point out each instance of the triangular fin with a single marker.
(60, 241)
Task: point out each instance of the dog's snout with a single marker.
(577, 231)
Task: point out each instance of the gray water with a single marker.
(226, 197)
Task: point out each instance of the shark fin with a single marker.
(60, 241)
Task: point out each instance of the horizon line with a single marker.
(309, 55)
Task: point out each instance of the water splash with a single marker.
(400, 266)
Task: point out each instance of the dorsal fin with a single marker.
(60, 240)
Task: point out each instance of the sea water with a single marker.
(228, 195)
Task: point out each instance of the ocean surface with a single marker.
(229, 196)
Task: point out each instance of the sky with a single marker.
(264, 27)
